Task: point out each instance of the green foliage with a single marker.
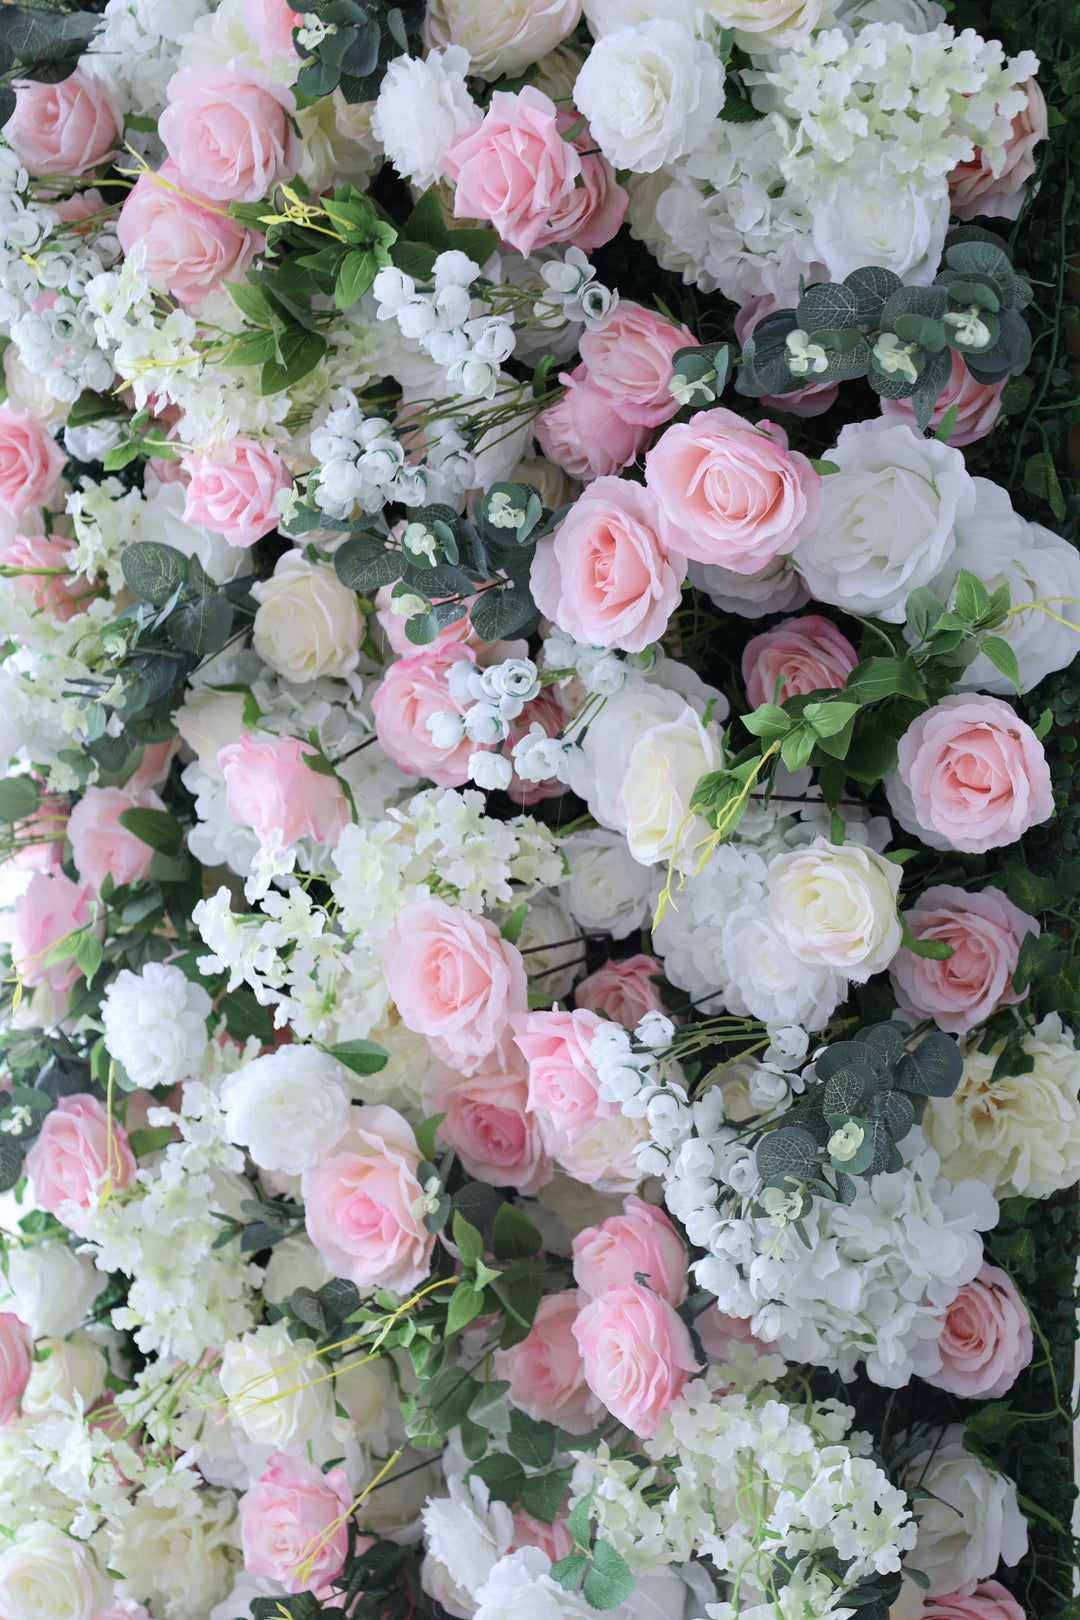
(361, 38)
(39, 44)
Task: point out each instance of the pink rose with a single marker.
(624, 990)
(295, 1518)
(596, 207)
(410, 692)
(729, 493)
(554, 1538)
(605, 1156)
(640, 1240)
(808, 654)
(813, 400)
(60, 594)
(16, 1364)
(235, 492)
(514, 168)
(31, 462)
(972, 772)
(979, 405)
(562, 1080)
(79, 1151)
(64, 128)
(545, 1371)
(100, 845)
(49, 908)
(270, 788)
(270, 24)
(488, 1120)
(191, 247)
(628, 361)
(583, 434)
(986, 1340)
(637, 1353)
(227, 130)
(989, 1601)
(721, 1335)
(974, 189)
(360, 1203)
(454, 979)
(985, 931)
(153, 767)
(604, 575)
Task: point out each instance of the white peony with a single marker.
(773, 984)
(276, 1389)
(650, 93)
(866, 217)
(607, 892)
(520, 1588)
(46, 1575)
(308, 623)
(155, 1024)
(52, 1287)
(423, 107)
(466, 1535)
(691, 935)
(969, 1518)
(288, 1109)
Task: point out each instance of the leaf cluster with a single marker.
(363, 36)
(40, 45)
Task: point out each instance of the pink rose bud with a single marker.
(628, 360)
(973, 186)
(986, 1340)
(16, 1364)
(31, 462)
(563, 1082)
(100, 845)
(78, 1153)
(514, 168)
(583, 434)
(978, 406)
(50, 908)
(488, 1120)
(641, 1241)
(637, 1353)
(60, 594)
(623, 990)
(227, 129)
(235, 492)
(804, 655)
(270, 788)
(64, 128)
(545, 1371)
(985, 931)
(410, 694)
(294, 1524)
(191, 246)
(989, 1601)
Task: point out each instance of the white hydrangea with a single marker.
(155, 1024)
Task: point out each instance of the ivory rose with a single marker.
(637, 1354)
(978, 406)
(227, 130)
(545, 1371)
(294, 1523)
(663, 768)
(270, 788)
(808, 654)
(971, 775)
(16, 1365)
(209, 721)
(308, 623)
(501, 36)
(61, 595)
(969, 1519)
(275, 1388)
(988, 1601)
(986, 1339)
(65, 128)
(640, 1241)
(46, 1574)
(514, 168)
(623, 990)
(835, 906)
(235, 491)
(563, 1083)
(411, 692)
(765, 25)
(31, 462)
(730, 493)
(975, 189)
(628, 360)
(583, 434)
(78, 1150)
(49, 908)
(605, 1156)
(191, 246)
(488, 1120)
(985, 931)
(604, 576)
(100, 846)
(363, 1204)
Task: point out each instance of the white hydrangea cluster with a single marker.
(139, 48)
(469, 347)
(361, 461)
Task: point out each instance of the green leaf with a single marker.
(365, 565)
(921, 329)
(300, 353)
(356, 275)
(1041, 479)
(826, 719)
(501, 1474)
(202, 627)
(935, 949)
(88, 955)
(972, 597)
(469, 1242)
(153, 571)
(788, 1151)
(466, 1302)
(19, 798)
(768, 720)
(514, 1236)
(499, 614)
(1002, 657)
(608, 1582)
(933, 1069)
(542, 1494)
(150, 1139)
(796, 748)
(362, 1057)
(425, 1134)
(872, 286)
(579, 1521)
(489, 1405)
(923, 610)
(244, 1016)
(877, 678)
(828, 306)
(250, 300)
(531, 1442)
(569, 1570)
(511, 928)
(158, 828)
(11, 1164)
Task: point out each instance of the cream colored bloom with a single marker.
(501, 36)
(835, 905)
(276, 1389)
(662, 771)
(308, 623)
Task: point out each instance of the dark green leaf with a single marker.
(202, 627)
(19, 797)
(499, 614)
(532, 1443)
(362, 1057)
(300, 351)
(153, 571)
(365, 565)
(514, 1235)
(244, 1016)
(158, 828)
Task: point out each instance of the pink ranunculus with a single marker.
(988, 1601)
(270, 788)
(235, 492)
(623, 990)
(191, 246)
(553, 1538)
(100, 845)
(563, 1082)
(16, 1364)
(454, 979)
(975, 773)
(730, 493)
(61, 595)
(64, 128)
(973, 187)
(270, 24)
(807, 654)
(79, 1151)
(49, 908)
(410, 693)
(31, 462)
(488, 1120)
(228, 130)
(361, 1203)
(514, 168)
(813, 400)
(641, 1241)
(979, 405)
(294, 1524)
(628, 361)
(986, 1339)
(985, 931)
(545, 1371)
(605, 576)
(637, 1353)
(595, 208)
(583, 434)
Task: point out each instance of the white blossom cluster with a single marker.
(469, 347)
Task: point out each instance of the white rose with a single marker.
(520, 1588)
(423, 107)
(46, 1575)
(271, 1384)
(26, 390)
(888, 519)
(969, 1519)
(650, 94)
(294, 1263)
(466, 1534)
(868, 217)
(606, 1156)
(834, 906)
(366, 1391)
(776, 588)
(244, 1588)
(53, 1287)
(308, 623)
(501, 36)
(68, 1368)
(155, 1024)
(180, 1560)
(1039, 567)
(773, 983)
(607, 891)
(916, 16)
(764, 25)
(162, 518)
(662, 770)
(606, 16)
(208, 721)
(288, 1108)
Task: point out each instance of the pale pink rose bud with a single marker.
(978, 405)
(989, 1601)
(985, 931)
(31, 462)
(514, 169)
(986, 1339)
(235, 492)
(270, 788)
(623, 990)
(79, 1152)
(191, 246)
(294, 1524)
(808, 654)
(640, 1241)
(563, 1082)
(583, 434)
(637, 1353)
(628, 361)
(973, 187)
(411, 692)
(64, 128)
(227, 129)
(488, 1120)
(60, 594)
(100, 845)
(545, 1371)
(49, 908)
(16, 1364)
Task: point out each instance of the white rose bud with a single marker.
(308, 623)
(490, 771)
(288, 1108)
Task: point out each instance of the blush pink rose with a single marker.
(986, 1339)
(411, 691)
(640, 1240)
(16, 1364)
(563, 1082)
(637, 1353)
(729, 493)
(583, 434)
(623, 990)
(360, 1204)
(191, 248)
(100, 845)
(978, 404)
(77, 1152)
(974, 189)
(985, 931)
(554, 1539)
(807, 654)
(62, 594)
(989, 1601)
(813, 400)
(454, 979)
(628, 361)
(974, 772)
(227, 129)
(596, 207)
(64, 128)
(514, 168)
(270, 788)
(153, 767)
(605, 576)
(270, 24)
(292, 1514)
(235, 492)
(31, 462)
(545, 1371)
(50, 908)
(488, 1120)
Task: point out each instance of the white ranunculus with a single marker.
(774, 984)
(501, 36)
(650, 93)
(466, 1534)
(423, 107)
(888, 519)
(53, 1288)
(208, 721)
(308, 623)
(155, 1024)
(868, 217)
(46, 1575)
(275, 1388)
(62, 1370)
(520, 1587)
(662, 770)
(162, 519)
(969, 1519)
(288, 1108)
(834, 906)
(776, 588)
(607, 892)
(294, 1263)
(180, 1558)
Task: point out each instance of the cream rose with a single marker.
(765, 25)
(46, 1575)
(308, 623)
(64, 1369)
(969, 1519)
(501, 36)
(835, 907)
(209, 721)
(662, 770)
(270, 1383)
